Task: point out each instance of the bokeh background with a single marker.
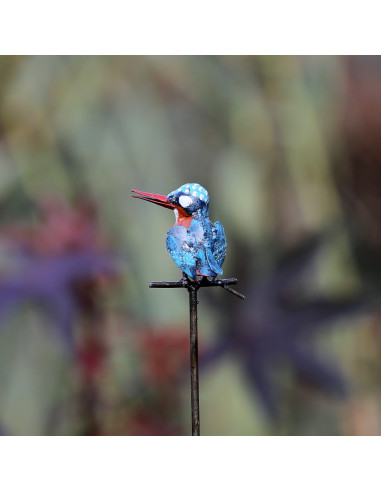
(289, 150)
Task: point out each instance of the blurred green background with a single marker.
(288, 149)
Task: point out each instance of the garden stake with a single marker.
(192, 288)
(198, 247)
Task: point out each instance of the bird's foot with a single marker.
(186, 281)
(204, 280)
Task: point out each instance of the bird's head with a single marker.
(192, 198)
(189, 201)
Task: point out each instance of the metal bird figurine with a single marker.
(196, 245)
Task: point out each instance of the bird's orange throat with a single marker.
(182, 218)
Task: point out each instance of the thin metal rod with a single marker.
(192, 289)
(205, 282)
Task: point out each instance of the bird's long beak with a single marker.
(151, 197)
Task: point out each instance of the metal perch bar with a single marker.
(205, 282)
(192, 287)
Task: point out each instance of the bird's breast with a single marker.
(182, 218)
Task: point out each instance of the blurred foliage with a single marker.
(288, 149)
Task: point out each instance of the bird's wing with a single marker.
(181, 248)
(202, 233)
(212, 262)
(218, 243)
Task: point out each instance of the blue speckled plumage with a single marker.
(196, 245)
(199, 249)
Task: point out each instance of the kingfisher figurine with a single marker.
(196, 245)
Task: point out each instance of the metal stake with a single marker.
(192, 287)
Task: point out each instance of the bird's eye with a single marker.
(185, 201)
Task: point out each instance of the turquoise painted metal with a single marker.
(196, 245)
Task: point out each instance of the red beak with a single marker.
(151, 197)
